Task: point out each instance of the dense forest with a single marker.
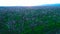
(30, 20)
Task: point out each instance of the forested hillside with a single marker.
(30, 20)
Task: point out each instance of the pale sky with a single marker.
(27, 2)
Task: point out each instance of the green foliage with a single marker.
(36, 21)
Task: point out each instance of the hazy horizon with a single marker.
(27, 2)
